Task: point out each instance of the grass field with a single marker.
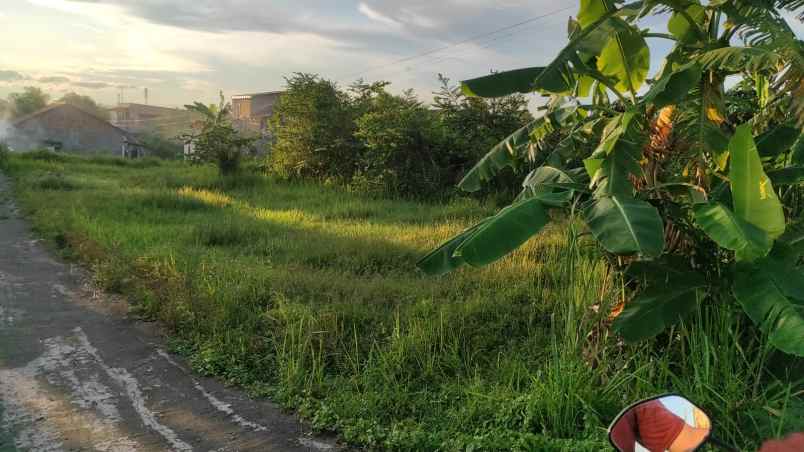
(310, 295)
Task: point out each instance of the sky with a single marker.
(187, 50)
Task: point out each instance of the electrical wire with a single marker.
(453, 45)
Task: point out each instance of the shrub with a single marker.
(218, 141)
(161, 147)
(379, 143)
(402, 148)
(313, 129)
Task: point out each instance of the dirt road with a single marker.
(77, 374)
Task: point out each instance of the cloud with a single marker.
(54, 80)
(93, 85)
(11, 76)
(374, 15)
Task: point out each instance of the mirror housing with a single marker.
(665, 423)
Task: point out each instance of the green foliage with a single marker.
(758, 291)
(217, 141)
(676, 174)
(30, 100)
(313, 130)
(626, 226)
(309, 295)
(160, 146)
(401, 152)
(385, 144)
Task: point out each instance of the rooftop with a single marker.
(249, 96)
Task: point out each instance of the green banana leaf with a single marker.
(526, 80)
(442, 260)
(658, 307)
(793, 237)
(681, 28)
(797, 153)
(730, 232)
(755, 200)
(673, 87)
(549, 185)
(777, 141)
(626, 226)
(505, 154)
(503, 233)
(791, 175)
(786, 275)
(556, 78)
(625, 58)
(768, 307)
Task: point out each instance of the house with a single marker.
(68, 128)
(251, 112)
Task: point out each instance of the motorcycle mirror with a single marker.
(668, 423)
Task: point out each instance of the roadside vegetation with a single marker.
(310, 295)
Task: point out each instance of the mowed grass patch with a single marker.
(310, 295)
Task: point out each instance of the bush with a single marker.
(313, 129)
(379, 143)
(161, 147)
(403, 152)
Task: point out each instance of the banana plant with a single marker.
(656, 167)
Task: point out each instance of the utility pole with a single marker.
(146, 96)
(123, 93)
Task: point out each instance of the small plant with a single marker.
(218, 141)
(685, 190)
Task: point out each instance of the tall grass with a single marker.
(310, 295)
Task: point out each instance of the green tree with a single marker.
(85, 103)
(696, 203)
(217, 141)
(313, 130)
(30, 100)
(402, 152)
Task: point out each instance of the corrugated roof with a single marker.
(246, 96)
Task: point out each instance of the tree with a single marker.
(402, 146)
(30, 100)
(313, 129)
(85, 103)
(692, 203)
(217, 141)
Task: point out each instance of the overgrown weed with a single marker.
(310, 295)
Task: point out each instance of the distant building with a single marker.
(68, 128)
(147, 121)
(252, 112)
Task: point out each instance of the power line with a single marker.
(503, 39)
(459, 43)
